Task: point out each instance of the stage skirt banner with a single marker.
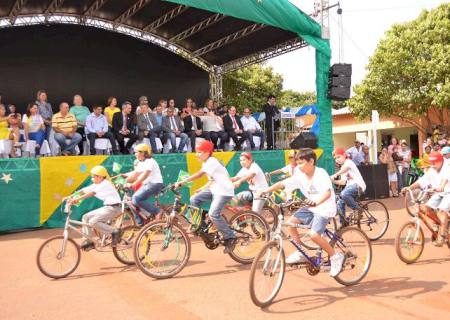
(31, 190)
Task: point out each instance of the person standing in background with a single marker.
(81, 113)
(45, 110)
(272, 121)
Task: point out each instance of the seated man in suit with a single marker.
(252, 128)
(124, 125)
(173, 128)
(97, 128)
(148, 127)
(213, 124)
(234, 128)
(193, 127)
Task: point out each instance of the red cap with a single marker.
(339, 152)
(247, 155)
(205, 146)
(435, 157)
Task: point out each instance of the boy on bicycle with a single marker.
(351, 178)
(103, 189)
(287, 171)
(252, 173)
(219, 190)
(316, 186)
(438, 178)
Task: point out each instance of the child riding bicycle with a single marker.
(252, 173)
(103, 189)
(316, 186)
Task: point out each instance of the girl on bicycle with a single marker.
(219, 190)
(147, 174)
(252, 173)
(103, 189)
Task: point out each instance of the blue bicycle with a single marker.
(269, 265)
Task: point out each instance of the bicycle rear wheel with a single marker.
(410, 242)
(267, 274)
(357, 250)
(57, 258)
(374, 219)
(162, 250)
(124, 249)
(252, 232)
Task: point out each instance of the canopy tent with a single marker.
(218, 36)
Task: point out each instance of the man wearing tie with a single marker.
(234, 128)
(193, 127)
(147, 126)
(173, 128)
(272, 121)
(124, 124)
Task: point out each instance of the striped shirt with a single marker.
(65, 124)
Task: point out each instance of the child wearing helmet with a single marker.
(147, 174)
(103, 189)
(252, 173)
(219, 190)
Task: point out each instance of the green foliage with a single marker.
(250, 86)
(409, 73)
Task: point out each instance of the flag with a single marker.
(116, 167)
(77, 194)
(183, 175)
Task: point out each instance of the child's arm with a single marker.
(82, 197)
(343, 170)
(195, 176)
(322, 199)
(239, 181)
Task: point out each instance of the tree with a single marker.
(291, 98)
(409, 73)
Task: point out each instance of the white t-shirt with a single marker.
(104, 191)
(433, 179)
(34, 123)
(353, 175)
(289, 170)
(221, 184)
(314, 189)
(258, 182)
(152, 166)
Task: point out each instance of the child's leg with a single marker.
(318, 226)
(303, 216)
(103, 215)
(87, 230)
(444, 209)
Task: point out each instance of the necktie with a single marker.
(124, 122)
(149, 124)
(173, 124)
(194, 122)
(235, 126)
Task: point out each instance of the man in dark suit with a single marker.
(272, 121)
(193, 127)
(234, 128)
(148, 127)
(124, 124)
(173, 128)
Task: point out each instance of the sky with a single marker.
(364, 24)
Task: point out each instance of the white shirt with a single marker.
(104, 191)
(314, 189)
(353, 152)
(433, 179)
(289, 170)
(258, 182)
(34, 122)
(353, 175)
(250, 123)
(221, 184)
(152, 166)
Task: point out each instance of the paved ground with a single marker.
(213, 286)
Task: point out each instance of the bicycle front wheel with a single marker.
(270, 215)
(410, 205)
(58, 257)
(162, 250)
(124, 249)
(374, 219)
(410, 242)
(267, 274)
(252, 232)
(357, 250)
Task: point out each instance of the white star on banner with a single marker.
(6, 177)
(69, 182)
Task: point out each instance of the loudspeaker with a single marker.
(304, 140)
(376, 179)
(339, 81)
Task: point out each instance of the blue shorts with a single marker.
(316, 222)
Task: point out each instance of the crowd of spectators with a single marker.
(74, 127)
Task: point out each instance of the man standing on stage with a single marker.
(272, 121)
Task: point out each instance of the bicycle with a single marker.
(414, 198)
(410, 239)
(162, 248)
(372, 218)
(66, 254)
(269, 266)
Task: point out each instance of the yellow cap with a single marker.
(142, 147)
(100, 171)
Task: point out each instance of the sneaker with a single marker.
(439, 242)
(87, 245)
(229, 245)
(296, 257)
(115, 236)
(336, 263)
